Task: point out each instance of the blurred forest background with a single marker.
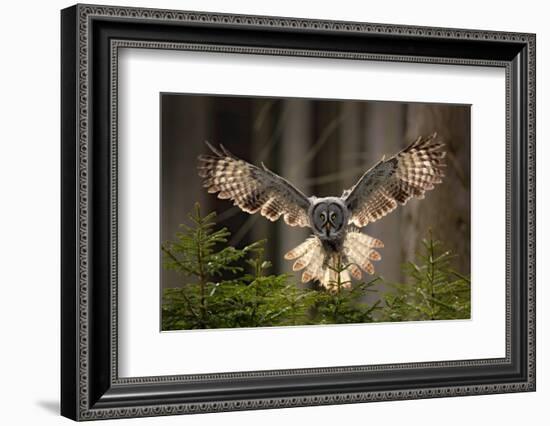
(322, 147)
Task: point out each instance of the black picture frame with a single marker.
(90, 386)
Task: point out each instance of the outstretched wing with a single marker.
(409, 173)
(252, 188)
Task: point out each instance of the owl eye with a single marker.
(333, 216)
(323, 216)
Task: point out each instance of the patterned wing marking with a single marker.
(252, 188)
(410, 173)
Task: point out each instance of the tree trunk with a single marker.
(295, 138)
(446, 209)
(383, 136)
(184, 124)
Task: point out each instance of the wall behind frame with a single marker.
(29, 219)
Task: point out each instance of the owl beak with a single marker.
(328, 226)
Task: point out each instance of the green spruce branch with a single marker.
(434, 291)
(227, 287)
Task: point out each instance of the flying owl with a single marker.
(337, 248)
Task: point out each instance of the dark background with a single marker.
(322, 147)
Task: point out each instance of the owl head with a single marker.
(328, 217)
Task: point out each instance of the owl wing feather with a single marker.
(253, 189)
(409, 173)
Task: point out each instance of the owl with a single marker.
(337, 249)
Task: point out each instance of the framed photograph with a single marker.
(263, 212)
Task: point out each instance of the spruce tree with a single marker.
(434, 291)
(228, 287)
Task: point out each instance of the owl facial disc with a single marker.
(329, 217)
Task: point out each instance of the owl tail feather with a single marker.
(359, 252)
(334, 270)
